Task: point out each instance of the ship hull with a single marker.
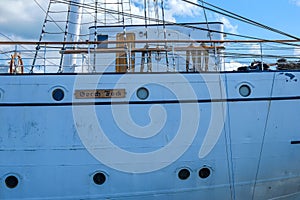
(150, 135)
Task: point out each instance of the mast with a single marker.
(72, 33)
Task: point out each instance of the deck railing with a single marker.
(147, 56)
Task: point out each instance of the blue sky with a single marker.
(280, 14)
(22, 19)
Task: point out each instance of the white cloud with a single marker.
(228, 26)
(296, 2)
(24, 19)
(20, 18)
(232, 65)
(181, 8)
(173, 9)
(254, 49)
(297, 52)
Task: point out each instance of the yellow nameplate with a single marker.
(92, 94)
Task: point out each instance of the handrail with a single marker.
(234, 53)
(122, 50)
(144, 41)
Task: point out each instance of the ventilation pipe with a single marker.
(73, 32)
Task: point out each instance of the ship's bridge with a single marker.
(152, 48)
(158, 48)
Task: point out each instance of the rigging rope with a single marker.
(95, 34)
(165, 32)
(156, 11)
(263, 137)
(111, 11)
(207, 26)
(228, 141)
(65, 39)
(40, 39)
(146, 58)
(145, 14)
(240, 18)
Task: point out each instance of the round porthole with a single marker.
(184, 174)
(245, 90)
(99, 178)
(204, 172)
(142, 93)
(11, 181)
(58, 94)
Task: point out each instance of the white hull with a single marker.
(248, 144)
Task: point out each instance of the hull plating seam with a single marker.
(151, 102)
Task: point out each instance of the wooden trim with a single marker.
(123, 50)
(144, 41)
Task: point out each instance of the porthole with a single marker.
(58, 94)
(142, 93)
(245, 90)
(99, 178)
(11, 181)
(141, 34)
(184, 174)
(204, 172)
